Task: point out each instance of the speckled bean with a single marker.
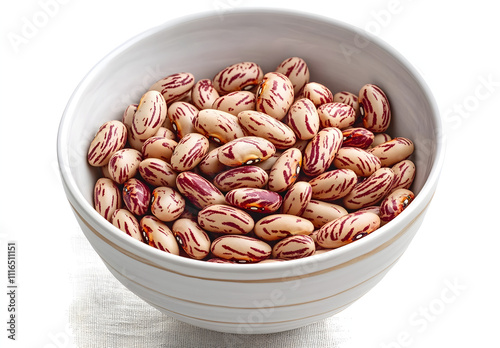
(225, 219)
(189, 152)
(158, 235)
(110, 138)
(297, 198)
(362, 162)
(198, 190)
(404, 174)
(167, 204)
(296, 70)
(275, 95)
(124, 164)
(241, 249)
(294, 247)
(303, 119)
(235, 102)
(380, 138)
(317, 93)
(258, 200)
(174, 87)
(159, 147)
(192, 238)
(166, 133)
(157, 172)
(127, 222)
(285, 170)
(393, 151)
(239, 177)
(219, 126)
(395, 203)
(357, 137)
(262, 125)
(371, 190)
(149, 117)
(348, 98)
(374, 108)
(136, 196)
(204, 94)
(107, 197)
(333, 184)
(182, 115)
(245, 150)
(210, 164)
(336, 115)
(320, 213)
(321, 151)
(278, 226)
(347, 229)
(243, 76)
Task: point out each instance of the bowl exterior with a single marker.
(249, 298)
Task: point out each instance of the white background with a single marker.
(444, 291)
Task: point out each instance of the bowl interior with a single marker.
(341, 57)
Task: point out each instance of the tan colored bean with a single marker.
(321, 151)
(239, 177)
(198, 190)
(362, 162)
(380, 138)
(166, 133)
(336, 115)
(219, 126)
(192, 238)
(244, 76)
(157, 172)
(395, 203)
(404, 174)
(174, 87)
(320, 213)
(296, 70)
(107, 197)
(158, 235)
(252, 199)
(262, 125)
(167, 204)
(190, 150)
(158, 147)
(319, 94)
(127, 222)
(204, 94)
(285, 170)
(347, 229)
(210, 164)
(294, 247)
(371, 190)
(275, 95)
(303, 119)
(225, 219)
(235, 102)
(149, 117)
(333, 184)
(245, 150)
(278, 226)
(393, 151)
(110, 138)
(182, 115)
(374, 108)
(348, 98)
(241, 249)
(124, 164)
(297, 198)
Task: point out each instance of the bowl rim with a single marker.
(82, 208)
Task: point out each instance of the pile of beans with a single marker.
(250, 167)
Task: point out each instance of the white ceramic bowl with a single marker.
(249, 298)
